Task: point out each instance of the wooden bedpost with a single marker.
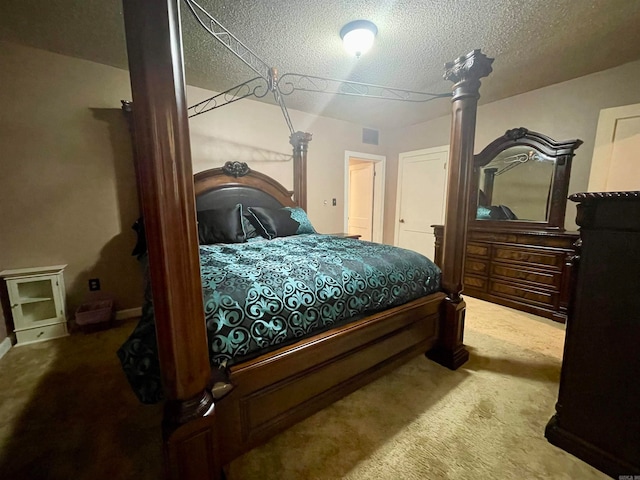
(300, 142)
(162, 148)
(465, 72)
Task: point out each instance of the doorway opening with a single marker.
(364, 195)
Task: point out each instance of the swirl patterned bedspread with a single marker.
(263, 294)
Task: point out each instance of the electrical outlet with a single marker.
(333, 202)
(94, 284)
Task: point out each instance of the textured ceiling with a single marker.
(534, 42)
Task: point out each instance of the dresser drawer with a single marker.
(476, 267)
(549, 279)
(478, 249)
(528, 256)
(39, 334)
(523, 293)
(477, 283)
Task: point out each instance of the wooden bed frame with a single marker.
(213, 417)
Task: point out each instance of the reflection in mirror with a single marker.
(516, 185)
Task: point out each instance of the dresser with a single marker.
(35, 303)
(528, 270)
(598, 410)
(517, 252)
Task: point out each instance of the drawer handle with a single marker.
(14, 305)
(40, 334)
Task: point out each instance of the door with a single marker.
(361, 188)
(369, 205)
(422, 181)
(615, 165)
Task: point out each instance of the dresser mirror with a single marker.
(517, 250)
(521, 180)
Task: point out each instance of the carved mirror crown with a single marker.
(521, 180)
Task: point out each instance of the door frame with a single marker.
(413, 153)
(378, 191)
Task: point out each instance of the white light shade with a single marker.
(358, 36)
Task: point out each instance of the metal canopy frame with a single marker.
(268, 80)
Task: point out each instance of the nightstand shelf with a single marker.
(34, 300)
(36, 303)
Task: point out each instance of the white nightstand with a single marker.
(37, 301)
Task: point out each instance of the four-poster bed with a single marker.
(212, 417)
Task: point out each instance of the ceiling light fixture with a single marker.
(358, 36)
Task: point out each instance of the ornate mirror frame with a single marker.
(561, 152)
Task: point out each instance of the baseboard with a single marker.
(129, 313)
(5, 346)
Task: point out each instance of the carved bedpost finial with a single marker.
(469, 68)
(236, 169)
(300, 139)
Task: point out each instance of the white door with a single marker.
(361, 178)
(378, 163)
(615, 165)
(422, 181)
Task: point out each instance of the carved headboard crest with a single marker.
(516, 133)
(236, 169)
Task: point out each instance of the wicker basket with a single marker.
(96, 312)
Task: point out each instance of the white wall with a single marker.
(67, 186)
(563, 111)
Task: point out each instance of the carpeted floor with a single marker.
(66, 413)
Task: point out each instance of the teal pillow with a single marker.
(483, 213)
(300, 216)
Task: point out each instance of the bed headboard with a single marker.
(236, 183)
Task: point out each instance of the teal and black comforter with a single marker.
(262, 294)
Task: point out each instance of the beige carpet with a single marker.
(65, 412)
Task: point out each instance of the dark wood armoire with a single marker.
(598, 410)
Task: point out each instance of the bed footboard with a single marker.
(276, 390)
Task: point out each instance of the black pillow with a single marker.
(274, 222)
(249, 230)
(221, 225)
